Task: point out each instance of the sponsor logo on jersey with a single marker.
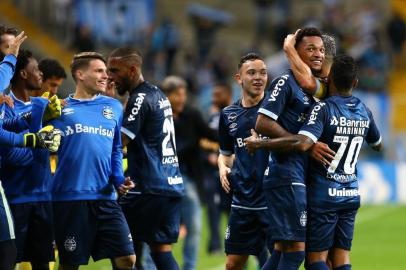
(232, 117)
(79, 128)
(136, 106)
(315, 112)
(334, 192)
(277, 87)
(342, 178)
(303, 218)
(164, 103)
(70, 244)
(175, 180)
(333, 121)
(108, 113)
(351, 126)
(67, 111)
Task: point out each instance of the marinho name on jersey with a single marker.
(79, 128)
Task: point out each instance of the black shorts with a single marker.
(34, 231)
(153, 218)
(287, 212)
(329, 228)
(247, 232)
(90, 228)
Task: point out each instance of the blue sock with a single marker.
(318, 266)
(291, 260)
(164, 260)
(273, 261)
(343, 267)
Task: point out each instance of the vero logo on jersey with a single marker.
(136, 106)
(277, 88)
(315, 112)
(79, 128)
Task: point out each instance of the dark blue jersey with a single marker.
(247, 172)
(287, 104)
(343, 123)
(152, 160)
(30, 182)
(90, 154)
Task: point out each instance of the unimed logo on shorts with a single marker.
(70, 244)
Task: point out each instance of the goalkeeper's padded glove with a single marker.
(54, 108)
(48, 137)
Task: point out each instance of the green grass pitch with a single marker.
(379, 243)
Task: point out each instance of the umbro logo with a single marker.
(67, 111)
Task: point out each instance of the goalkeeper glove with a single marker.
(48, 137)
(54, 107)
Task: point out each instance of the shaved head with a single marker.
(130, 54)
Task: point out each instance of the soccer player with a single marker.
(240, 172)
(282, 113)
(53, 75)
(28, 188)
(313, 82)
(152, 208)
(87, 218)
(343, 122)
(7, 36)
(8, 251)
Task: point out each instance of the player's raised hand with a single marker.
(126, 186)
(54, 108)
(322, 153)
(225, 184)
(14, 45)
(290, 41)
(6, 99)
(252, 142)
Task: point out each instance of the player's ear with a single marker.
(23, 74)
(79, 74)
(237, 77)
(355, 83)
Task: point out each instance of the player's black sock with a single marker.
(291, 260)
(40, 266)
(8, 254)
(343, 267)
(273, 261)
(164, 261)
(318, 266)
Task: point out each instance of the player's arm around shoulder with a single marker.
(273, 105)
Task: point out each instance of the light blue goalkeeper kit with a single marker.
(90, 154)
